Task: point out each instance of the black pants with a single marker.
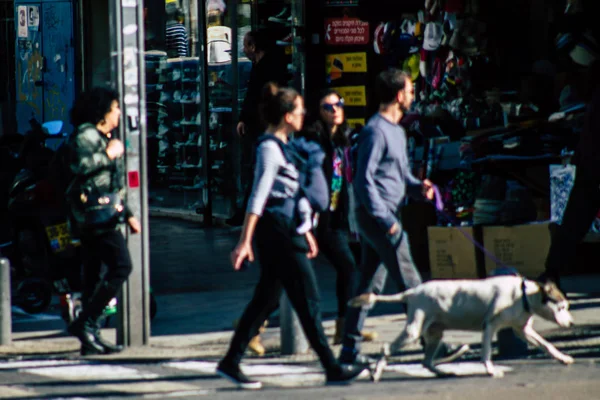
(108, 248)
(284, 265)
(333, 244)
(581, 209)
(381, 254)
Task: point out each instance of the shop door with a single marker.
(44, 62)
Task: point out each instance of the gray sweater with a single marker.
(383, 176)
(274, 179)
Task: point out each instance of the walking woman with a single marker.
(95, 160)
(332, 133)
(282, 252)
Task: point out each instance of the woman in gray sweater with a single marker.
(283, 252)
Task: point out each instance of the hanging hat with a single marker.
(378, 38)
(433, 36)
(411, 66)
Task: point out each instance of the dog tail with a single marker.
(369, 299)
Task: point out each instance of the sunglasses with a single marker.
(330, 107)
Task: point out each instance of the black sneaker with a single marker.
(235, 375)
(448, 353)
(344, 374)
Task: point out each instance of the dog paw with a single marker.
(495, 373)
(567, 360)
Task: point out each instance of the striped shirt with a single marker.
(177, 40)
(274, 178)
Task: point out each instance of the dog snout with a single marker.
(564, 319)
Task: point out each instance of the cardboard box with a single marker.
(451, 254)
(523, 247)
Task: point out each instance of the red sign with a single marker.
(134, 179)
(346, 31)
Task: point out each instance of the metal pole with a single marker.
(293, 340)
(5, 312)
(127, 51)
(202, 47)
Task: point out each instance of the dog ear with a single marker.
(552, 292)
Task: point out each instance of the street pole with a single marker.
(128, 77)
(5, 311)
(293, 340)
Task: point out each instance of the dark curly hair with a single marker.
(91, 106)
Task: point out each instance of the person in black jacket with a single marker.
(584, 199)
(332, 133)
(96, 162)
(267, 66)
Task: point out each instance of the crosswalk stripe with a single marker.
(88, 372)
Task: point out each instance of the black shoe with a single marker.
(344, 374)
(109, 348)
(448, 353)
(235, 375)
(84, 330)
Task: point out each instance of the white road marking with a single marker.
(461, 369)
(37, 363)
(250, 369)
(88, 372)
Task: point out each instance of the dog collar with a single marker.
(525, 300)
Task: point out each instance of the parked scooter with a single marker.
(44, 258)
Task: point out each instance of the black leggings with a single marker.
(284, 265)
(333, 244)
(108, 248)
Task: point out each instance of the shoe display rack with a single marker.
(286, 21)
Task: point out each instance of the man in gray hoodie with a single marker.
(383, 180)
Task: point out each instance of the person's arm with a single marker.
(85, 157)
(269, 159)
(371, 149)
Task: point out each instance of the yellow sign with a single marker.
(336, 64)
(353, 95)
(353, 122)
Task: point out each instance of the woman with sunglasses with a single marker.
(332, 133)
(283, 252)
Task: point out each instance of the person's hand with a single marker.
(114, 149)
(428, 189)
(242, 251)
(134, 225)
(312, 245)
(393, 229)
(241, 128)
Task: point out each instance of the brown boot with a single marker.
(369, 336)
(255, 345)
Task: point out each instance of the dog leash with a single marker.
(439, 205)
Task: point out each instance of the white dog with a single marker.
(489, 304)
